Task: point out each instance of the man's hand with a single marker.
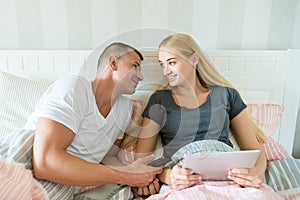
(150, 189)
(138, 174)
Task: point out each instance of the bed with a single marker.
(262, 77)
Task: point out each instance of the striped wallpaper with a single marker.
(85, 24)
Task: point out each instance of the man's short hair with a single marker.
(117, 49)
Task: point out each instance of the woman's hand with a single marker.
(181, 178)
(245, 177)
(152, 188)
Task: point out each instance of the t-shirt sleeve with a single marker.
(66, 104)
(237, 105)
(155, 110)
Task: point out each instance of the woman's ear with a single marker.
(195, 59)
(113, 63)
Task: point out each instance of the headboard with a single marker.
(261, 76)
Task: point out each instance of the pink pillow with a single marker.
(274, 151)
(267, 116)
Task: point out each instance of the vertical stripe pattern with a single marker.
(54, 24)
(84, 24)
(29, 24)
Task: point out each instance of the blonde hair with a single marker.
(207, 74)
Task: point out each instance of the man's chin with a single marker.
(129, 92)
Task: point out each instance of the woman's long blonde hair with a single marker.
(207, 74)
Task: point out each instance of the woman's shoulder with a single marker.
(165, 91)
(162, 93)
(160, 96)
(229, 90)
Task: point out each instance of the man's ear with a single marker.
(113, 63)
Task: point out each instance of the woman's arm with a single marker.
(146, 144)
(111, 157)
(148, 137)
(244, 134)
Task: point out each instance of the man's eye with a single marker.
(137, 67)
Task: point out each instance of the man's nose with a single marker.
(140, 76)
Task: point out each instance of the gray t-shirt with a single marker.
(181, 126)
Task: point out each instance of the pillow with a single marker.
(267, 116)
(18, 98)
(283, 177)
(274, 150)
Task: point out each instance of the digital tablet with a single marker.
(215, 165)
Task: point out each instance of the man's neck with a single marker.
(105, 95)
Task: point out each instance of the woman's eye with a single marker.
(172, 63)
(162, 65)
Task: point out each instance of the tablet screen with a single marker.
(215, 165)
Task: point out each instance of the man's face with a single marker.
(129, 72)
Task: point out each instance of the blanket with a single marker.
(222, 190)
(17, 148)
(281, 177)
(17, 179)
(16, 182)
(280, 180)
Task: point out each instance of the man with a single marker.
(77, 122)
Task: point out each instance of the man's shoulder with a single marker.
(73, 81)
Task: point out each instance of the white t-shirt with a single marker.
(71, 102)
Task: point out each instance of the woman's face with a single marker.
(176, 68)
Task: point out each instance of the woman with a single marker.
(199, 104)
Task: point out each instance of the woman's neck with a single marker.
(191, 96)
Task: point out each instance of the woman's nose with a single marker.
(166, 70)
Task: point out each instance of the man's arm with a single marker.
(51, 161)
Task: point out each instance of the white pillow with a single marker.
(18, 98)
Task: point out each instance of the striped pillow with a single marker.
(274, 150)
(18, 98)
(283, 177)
(267, 116)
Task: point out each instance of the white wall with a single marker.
(84, 24)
